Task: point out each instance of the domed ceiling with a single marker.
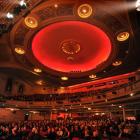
(71, 46)
(72, 39)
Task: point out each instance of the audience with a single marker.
(69, 130)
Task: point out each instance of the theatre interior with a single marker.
(69, 69)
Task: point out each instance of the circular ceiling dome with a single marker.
(71, 46)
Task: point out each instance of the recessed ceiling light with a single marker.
(31, 22)
(93, 76)
(117, 63)
(85, 10)
(123, 36)
(10, 15)
(37, 70)
(64, 78)
(19, 50)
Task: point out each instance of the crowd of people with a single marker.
(68, 130)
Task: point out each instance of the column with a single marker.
(124, 115)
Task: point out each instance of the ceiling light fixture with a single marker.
(138, 5)
(37, 70)
(93, 76)
(31, 22)
(123, 36)
(64, 78)
(40, 82)
(19, 51)
(117, 63)
(85, 11)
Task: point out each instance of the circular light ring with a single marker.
(70, 47)
(117, 63)
(123, 36)
(31, 22)
(19, 51)
(37, 70)
(84, 11)
(64, 78)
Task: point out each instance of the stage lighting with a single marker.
(9, 15)
(138, 5)
(22, 3)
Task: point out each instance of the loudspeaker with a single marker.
(9, 85)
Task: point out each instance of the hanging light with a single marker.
(22, 3)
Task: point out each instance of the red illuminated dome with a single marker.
(71, 46)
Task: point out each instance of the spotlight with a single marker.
(138, 5)
(9, 15)
(22, 3)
